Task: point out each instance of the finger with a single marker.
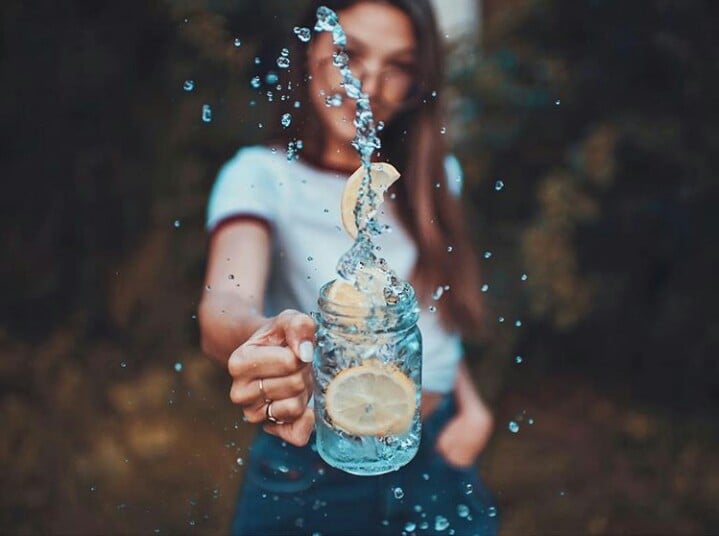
(252, 362)
(299, 330)
(295, 384)
(286, 410)
(249, 392)
(298, 432)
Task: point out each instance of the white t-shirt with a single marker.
(301, 203)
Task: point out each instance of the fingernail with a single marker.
(306, 351)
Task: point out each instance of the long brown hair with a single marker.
(413, 142)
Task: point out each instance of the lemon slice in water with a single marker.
(382, 176)
(371, 399)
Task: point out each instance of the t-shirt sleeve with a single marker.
(455, 177)
(247, 185)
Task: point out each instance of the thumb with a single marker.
(299, 330)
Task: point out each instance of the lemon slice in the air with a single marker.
(371, 399)
(382, 177)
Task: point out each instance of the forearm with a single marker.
(226, 322)
(466, 394)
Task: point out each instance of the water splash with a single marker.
(206, 113)
(441, 523)
(303, 34)
(360, 258)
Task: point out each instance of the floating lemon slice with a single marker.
(382, 176)
(371, 399)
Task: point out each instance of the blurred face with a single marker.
(382, 52)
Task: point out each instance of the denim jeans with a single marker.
(290, 490)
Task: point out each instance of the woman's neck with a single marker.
(339, 156)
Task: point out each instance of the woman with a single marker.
(275, 240)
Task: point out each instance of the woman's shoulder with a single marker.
(255, 154)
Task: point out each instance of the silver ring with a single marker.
(268, 414)
(262, 391)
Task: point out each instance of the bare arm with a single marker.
(237, 270)
(267, 358)
(467, 433)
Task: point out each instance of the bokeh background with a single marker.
(599, 116)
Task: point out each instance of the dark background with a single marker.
(600, 117)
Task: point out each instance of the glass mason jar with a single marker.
(368, 376)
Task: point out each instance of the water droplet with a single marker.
(271, 78)
(257, 60)
(285, 52)
(492, 511)
(310, 259)
(432, 309)
(206, 113)
(485, 287)
(380, 126)
(443, 130)
(123, 364)
(297, 104)
(385, 522)
(557, 102)
(256, 82)
(409, 526)
(424, 525)
(437, 185)
(237, 42)
(518, 359)
(487, 254)
(462, 510)
(450, 249)
(283, 62)
(260, 125)
(178, 367)
(498, 185)
(468, 489)
(286, 120)
(177, 224)
(517, 323)
(513, 427)
(334, 100)
(530, 420)
(500, 319)
(398, 493)
(438, 293)
(303, 34)
(425, 476)
(240, 461)
(440, 523)
(524, 277)
(189, 85)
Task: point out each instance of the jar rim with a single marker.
(402, 311)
